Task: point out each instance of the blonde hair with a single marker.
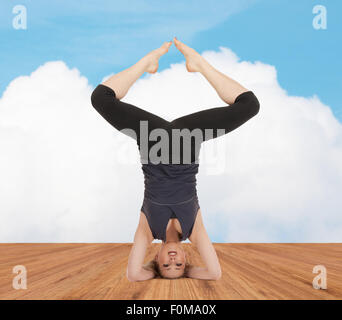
(154, 267)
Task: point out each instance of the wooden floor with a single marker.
(97, 271)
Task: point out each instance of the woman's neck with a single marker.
(172, 234)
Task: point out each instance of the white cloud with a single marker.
(62, 179)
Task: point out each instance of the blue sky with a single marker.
(101, 37)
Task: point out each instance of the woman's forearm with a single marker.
(135, 270)
(227, 88)
(202, 273)
(142, 275)
(122, 81)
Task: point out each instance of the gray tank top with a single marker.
(170, 183)
(170, 192)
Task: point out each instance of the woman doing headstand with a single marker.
(170, 210)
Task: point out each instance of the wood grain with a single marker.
(98, 271)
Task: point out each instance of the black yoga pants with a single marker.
(123, 115)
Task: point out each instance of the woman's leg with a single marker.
(122, 81)
(227, 88)
(243, 104)
(106, 97)
(122, 115)
(220, 120)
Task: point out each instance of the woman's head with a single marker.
(170, 261)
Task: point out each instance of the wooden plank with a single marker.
(98, 271)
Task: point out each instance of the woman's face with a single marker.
(171, 260)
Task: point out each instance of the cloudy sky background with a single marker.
(68, 176)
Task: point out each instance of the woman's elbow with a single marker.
(131, 276)
(217, 276)
(131, 279)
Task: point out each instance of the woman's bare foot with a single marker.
(193, 58)
(152, 57)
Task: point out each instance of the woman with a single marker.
(170, 210)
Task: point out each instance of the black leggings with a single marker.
(123, 115)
